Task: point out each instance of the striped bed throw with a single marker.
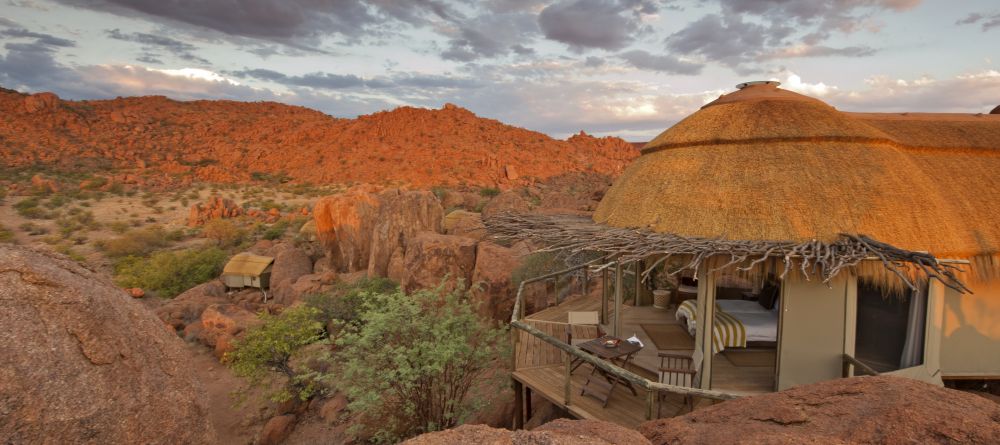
(729, 331)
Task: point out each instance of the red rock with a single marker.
(44, 185)
(221, 323)
(508, 201)
(274, 212)
(430, 257)
(41, 102)
(332, 408)
(494, 266)
(136, 292)
(402, 214)
(277, 429)
(344, 225)
(463, 223)
(289, 265)
(558, 432)
(213, 208)
(870, 410)
(187, 307)
(82, 364)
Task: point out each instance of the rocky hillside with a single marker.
(167, 142)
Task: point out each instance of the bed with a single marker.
(736, 322)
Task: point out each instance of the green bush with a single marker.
(137, 242)
(271, 346)
(275, 231)
(29, 208)
(412, 361)
(489, 192)
(168, 273)
(342, 304)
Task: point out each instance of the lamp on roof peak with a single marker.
(772, 83)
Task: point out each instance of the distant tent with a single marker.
(248, 270)
(996, 110)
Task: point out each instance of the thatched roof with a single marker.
(763, 163)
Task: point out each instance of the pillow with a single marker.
(768, 296)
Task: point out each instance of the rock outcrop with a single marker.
(344, 224)
(464, 223)
(558, 432)
(869, 410)
(84, 362)
(290, 264)
(187, 307)
(214, 208)
(431, 257)
(402, 214)
(494, 266)
(223, 323)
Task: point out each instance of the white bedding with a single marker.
(760, 324)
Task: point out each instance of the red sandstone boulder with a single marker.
(215, 207)
(136, 292)
(558, 432)
(402, 214)
(344, 225)
(463, 223)
(82, 362)
(506, 202)
(494, 265)
(869, 410)
(277, 429)
(44, 185)
(222, 323)
(289, 265)
(430, 257)
(187, 307)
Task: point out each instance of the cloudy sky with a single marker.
(622, 67)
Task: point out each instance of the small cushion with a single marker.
(768, 296)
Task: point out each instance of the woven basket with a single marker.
(661, 298)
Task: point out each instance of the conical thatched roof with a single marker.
(763, 163)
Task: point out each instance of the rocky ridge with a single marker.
(163, 141)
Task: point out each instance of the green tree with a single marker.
(268, 349)
(413, 361)
(223, 231)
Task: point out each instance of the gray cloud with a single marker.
(587, 24)
(329, 81)
(988, 21)
(40, 38)
(151, 42)
(660, 63)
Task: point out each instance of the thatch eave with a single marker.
(576, 234)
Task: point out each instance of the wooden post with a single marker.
(705, 322)
(604, 296)
(527, 403)
(567, 384)
(619, 281)
(638, 301)
(586, 279)
(650, 400)
(518, 405)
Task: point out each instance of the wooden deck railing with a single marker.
(570, 352)
(858, 365)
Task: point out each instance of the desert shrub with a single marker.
(6, 235)
(118, 226)
(68, 251)
(536, 265)
(168, 273)
(136, 242)
(439, 191)
(274, 231)
(223, 232)
(34, 229)
(29, 208)
(489, 192)
(412, 361)
(271, 346)
(341, 305)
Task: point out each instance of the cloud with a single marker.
(40, 38)
(589, 24)
(151, 42)
(489, 35)
(661, 63)
(988, 20)
(744, 33)
(330, 81)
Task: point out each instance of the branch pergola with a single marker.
(576, 234)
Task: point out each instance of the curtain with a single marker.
(916, 322)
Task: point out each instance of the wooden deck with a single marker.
(623, 408)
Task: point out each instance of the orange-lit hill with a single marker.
(173, 141)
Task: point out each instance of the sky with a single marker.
(628, 68)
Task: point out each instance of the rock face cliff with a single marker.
(557, 432)
(84, 363)
(224, 141)
(870, 410)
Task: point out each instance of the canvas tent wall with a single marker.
(248, 270)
